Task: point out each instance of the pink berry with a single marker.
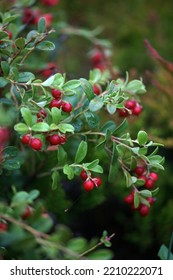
(26, 139)
(66, 107)
(36, 144)
(153, 176)
(88, 185)
(56, 93)
(144, 210)
(130, 104)
(137, 110)
(149, 183)
(83, 175)
(97, 181)
(55, 139)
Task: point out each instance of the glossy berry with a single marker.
(26, 139)
(54, 139)
(123, 113)
(36, 144)
(56, 93)
(129, 199)
(137, 110)
(3, 227)
(130, 104)
(96, 89)
(139, 170)
(144, 210)
(88, 185)
(153, 176)
(83, 175)
(66, 107)
(27, 213)
(97, 181)
(55, 103)
(149, 183)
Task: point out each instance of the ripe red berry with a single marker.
(3, 227)
(10, 34)
(130, 104)
(26, 139)
(96, 57)
(27, 212)
(96, 89)
(137, 110)
(123, 113)
(129, 199)
(144, 210)
(50, 2)
(139, 170)
(83, 175)
(153, 176)
(143, 177)
(36, 144)
(55, 139)
(56, 93)
(149, 183)
(151, 200)
(66, 107)
(55, 103)
(97, 181)
(63, 139)
(88, 185)
(41, 114)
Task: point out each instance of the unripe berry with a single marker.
(26, 139)
(88, 185)
(56, 93)
(83, 175)
(153, 176)
(96, 89)
(55, 103)
(97, 181)
(144, 210)
(55, 139)
(149, 183)
(139, 170)
(3, 227)
(66, 107)
(36, 144)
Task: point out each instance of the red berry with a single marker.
(130, 104)
(36, 144)
(97, 181)
(139, 170)
(153, 176)
(129, 199)
(55, 139)
(63, 138)
(83, 175)
(149, 183)
(26, 139)
(56, 93)
(96, 89)
(55, 103)
(3, 227)
(50, 2)
(27, 212)
(123, 113)
(88, 185)
(144, 210)
(96, 57)
(143, 177)
(10, 34)
(41, 114)
(151, 200)
(66, 107)
(137, 110)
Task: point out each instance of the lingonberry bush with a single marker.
(47, 115)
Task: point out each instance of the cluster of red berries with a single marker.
(97, 60)
(33, 16)
(89, 182)
(59, 103)
(148, 178)
(142, 208)
(132, 107)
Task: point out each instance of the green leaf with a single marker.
(12, 164)
(46, 46)
(136, 87)
(68, 170)
(27, 116)
(121, 128)
(95, 76)
(5, 68)
(81, 152)
(136, 200)
(70, 85)
(142, 137)
(101, 254)
(56, 81)
(8, 19)
(21, 128)
(98, 169)
(66, 127)
(56, 115)
(146, 193)
(42, 25)
(3, 35)
(113, 165)
(25, 77)
(20, 198)
(128, 178)
(155, 192)
(163, 253)
(20, 43)
(92, 164)
(9, 152)
(61, 156)
(87, 87)
(96, 104)
(92, 119)
(111, 108)
(3, 82)
(77, 244)
(108, 125)
(33, 194)
(40, 127)
(55, 179)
